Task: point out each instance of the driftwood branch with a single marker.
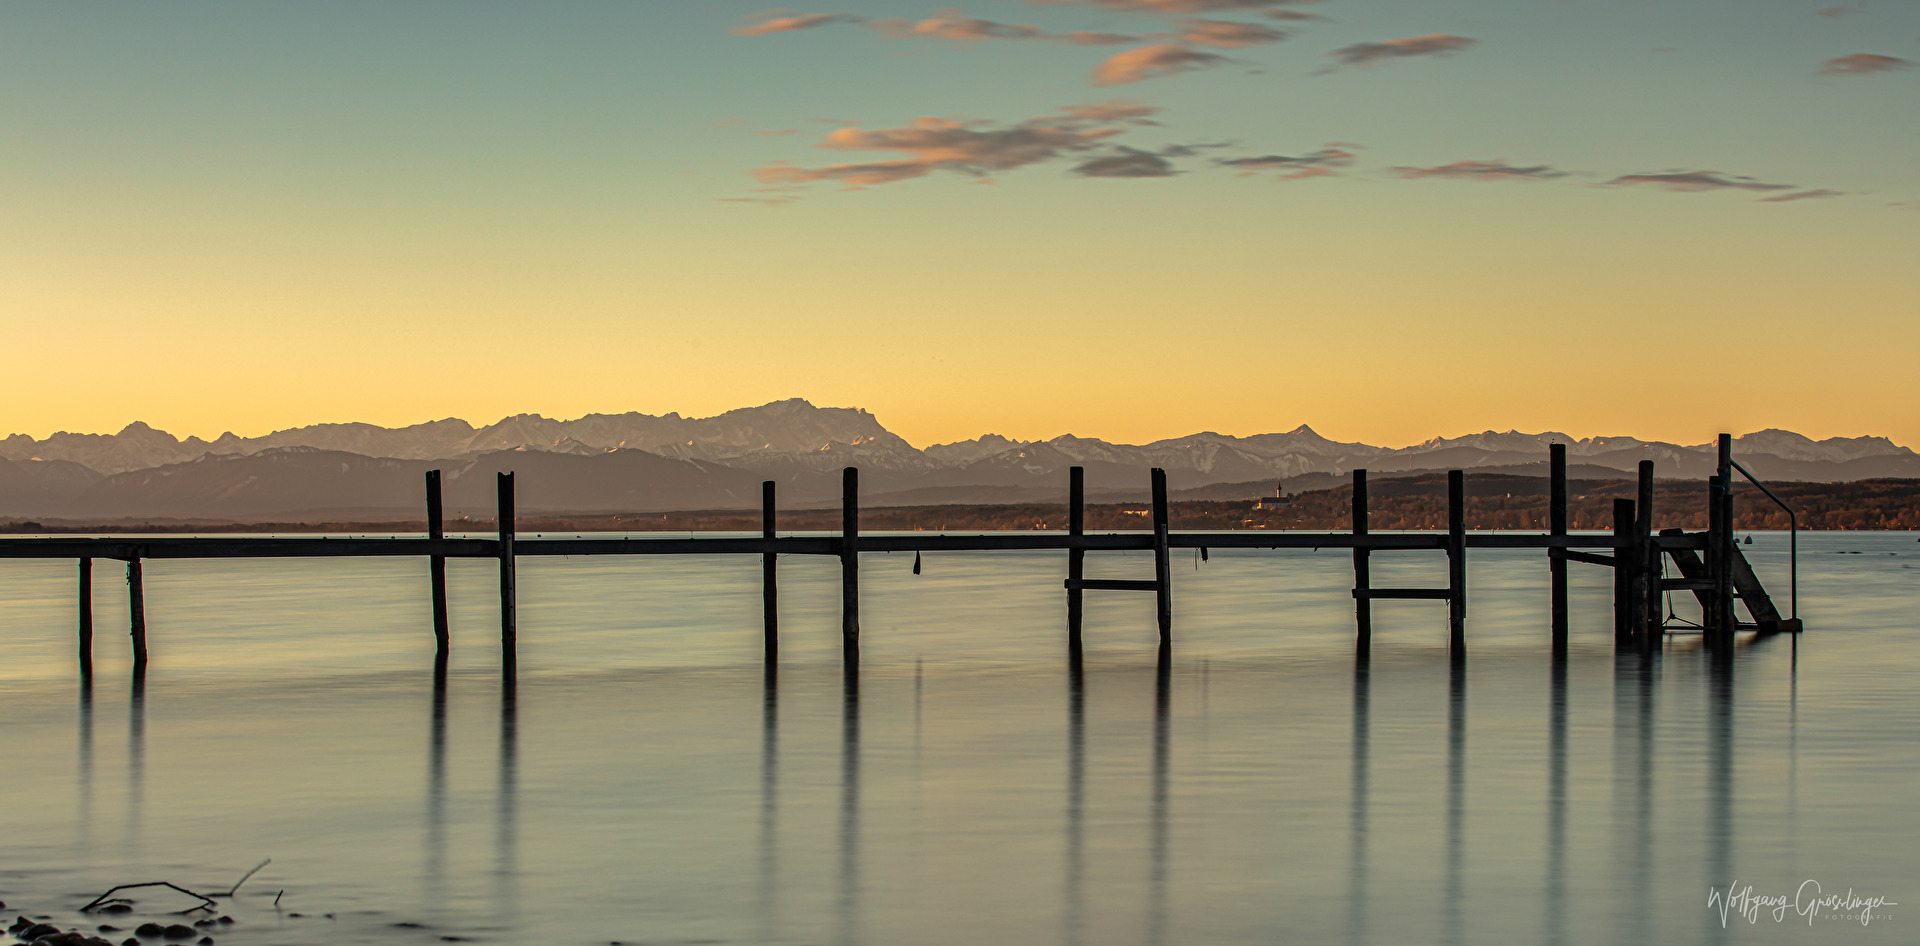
(206, 903)
(244, 878)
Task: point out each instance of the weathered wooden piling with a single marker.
(437, 566)
(1362, 570)
(1162, 557)
(1557, 526)
(137, 613)
(509, 605)
(86, 617)
(850, 562)
(1457, 562)
(1717, 609)
(1646, 590)
(1720, 551)
(769, 569)
(1076, 557)
(1625, 609)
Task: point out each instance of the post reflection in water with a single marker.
(1157, 844)
(136, 751)
(769, 799)
(1720, 771)
(1634, 682)
(1456, 793)
(1357, 811)
(85, 793)
(1556, 894)
(507, 803)
(1075, 912)
(850, 799)
(435, 869)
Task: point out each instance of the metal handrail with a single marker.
(1793, 537)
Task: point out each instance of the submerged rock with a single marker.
(149, 931)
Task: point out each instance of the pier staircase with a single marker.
(1696, 577)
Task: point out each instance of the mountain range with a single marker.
(616, 463)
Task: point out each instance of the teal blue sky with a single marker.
(584, 203)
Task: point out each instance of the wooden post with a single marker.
(137, 614)
(1718, 570)
(86, 617)
(1646, 589)
(1721, 541)
(1625, 608)
(509, 617)
(1557, 525)
(437, 566)
(1162, 557)
(1076, 556)
(1362, 570)
(769, 567)
(1457, 562)
(850, 562)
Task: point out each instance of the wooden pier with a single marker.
(1709, 564)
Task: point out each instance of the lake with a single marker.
(648, 780)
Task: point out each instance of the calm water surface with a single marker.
(648, 781)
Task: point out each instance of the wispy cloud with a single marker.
(1860, 64)
(1325, 162)
(1090, 38)
(972, 148)
(1819, 193)
(1696, 182)
(1127, 162)
(1227, 34)
(950, 25)
(1432, 44)
(1116, 110)
(1495, 170)
(1177, 6)
(787, 22)
(1151, 62)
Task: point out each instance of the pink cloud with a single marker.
(1177, 6)
(950, 25)
(1325, 162)
(1432, 44)
(1495, 170)
(1818, 193)
(939, 144)
(1860, 64)
(792, 22)
(1227, 34)
(1150, 62)
(1697, 182)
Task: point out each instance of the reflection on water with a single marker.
(1556, 892)
(1357, 806)
(1451, 900)
(136, 752)
(435, 869)
(1634, 685)
(1157, 847)
(1185, 795)
(1719, 793)
(849, 900)
(506, 844)
(769, 859)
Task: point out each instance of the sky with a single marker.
(1125, 219)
